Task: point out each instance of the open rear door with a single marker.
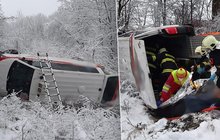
(140, 70)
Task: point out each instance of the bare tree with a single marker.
(141, 14)
(124, 14)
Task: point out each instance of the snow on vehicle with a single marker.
(21, 72)
(178, 41)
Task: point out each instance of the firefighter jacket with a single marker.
(151, 58)
(215, 59)
(167, 62)
(172, 85)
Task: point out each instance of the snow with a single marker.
(207, 130)
(138, 124)
(92, 37)
(32, 120)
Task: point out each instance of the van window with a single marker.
(67, 67)
(19, 78)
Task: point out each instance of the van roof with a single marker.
(153, 31)
(61, 60)
(159, 30)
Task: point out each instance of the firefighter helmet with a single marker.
(201, 51)
(210, 42)
(181, 73)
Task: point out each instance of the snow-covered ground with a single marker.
(32, 121)
(138, 124)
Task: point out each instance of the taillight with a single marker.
(171, 30)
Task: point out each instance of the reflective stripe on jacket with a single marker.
(151, 58)
(167, 62)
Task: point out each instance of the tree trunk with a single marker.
(183, 11)
(119, 9)
(164, 12)
(127, 16)
(191, 11)
(215, 8)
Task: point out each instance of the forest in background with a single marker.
(142, 14)
(79, 29)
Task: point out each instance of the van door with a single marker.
(140, 70)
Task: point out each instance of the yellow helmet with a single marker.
(210, 42)
(181, 73)
(201, 51)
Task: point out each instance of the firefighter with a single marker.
(201, 51)
(153, 66)
(211, 43)
(151, 57)
(202, 68)
(167, 64)
(174, 82)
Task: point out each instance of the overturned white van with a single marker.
(176, 39)
(21, 72)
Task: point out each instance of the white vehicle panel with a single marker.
(124, 61)
(71, 85)
(141, 71)
(5, 66)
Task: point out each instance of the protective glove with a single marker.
(192, 84)
(212, 77)
(159, 102)
(218, 46)
(201, 70)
